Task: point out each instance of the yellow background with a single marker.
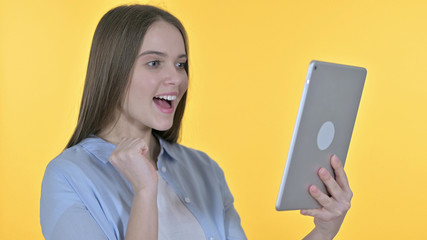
(248, 65)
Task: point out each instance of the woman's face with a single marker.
(158, 80)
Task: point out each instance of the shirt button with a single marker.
(187, 200)
(211, 238)
(164, 169)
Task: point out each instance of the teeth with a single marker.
(169, 97)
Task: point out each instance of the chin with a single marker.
(162, 126)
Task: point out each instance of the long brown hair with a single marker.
(115, 46)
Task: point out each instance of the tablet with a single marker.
(324, 126)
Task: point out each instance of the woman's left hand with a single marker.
(329, 217)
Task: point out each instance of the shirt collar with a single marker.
(98, 147)
(166, 147)
(102, 149)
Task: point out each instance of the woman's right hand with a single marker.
(131, 159)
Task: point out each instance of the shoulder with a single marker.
(69, 159)
(74, 164)
(79, 171)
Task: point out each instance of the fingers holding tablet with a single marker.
(329, 217)
(340, 194)
(340, 175)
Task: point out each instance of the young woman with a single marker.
(122, 175)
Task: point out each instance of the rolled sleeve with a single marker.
(232, 223)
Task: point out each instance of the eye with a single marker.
(153, 64)
(180, 65)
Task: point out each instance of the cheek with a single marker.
(143, 87)
(184, 85)
(138, 95)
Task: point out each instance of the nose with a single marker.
(175, 75)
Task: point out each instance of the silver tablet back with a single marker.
(324, 126)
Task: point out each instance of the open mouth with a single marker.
(164, 103)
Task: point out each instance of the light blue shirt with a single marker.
(84, 197)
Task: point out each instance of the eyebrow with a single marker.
(162, 54)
